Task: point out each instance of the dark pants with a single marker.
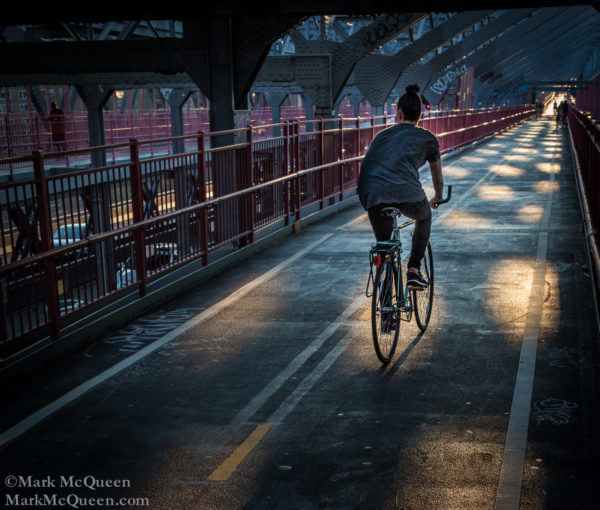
(418, 211)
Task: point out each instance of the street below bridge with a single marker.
(260, 389)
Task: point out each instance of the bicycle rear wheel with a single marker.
(423, 298)
(385, 316)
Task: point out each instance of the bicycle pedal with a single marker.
(418, 287)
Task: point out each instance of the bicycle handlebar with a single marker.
(447, 199)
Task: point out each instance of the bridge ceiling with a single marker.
(16, 13)
(167, 45)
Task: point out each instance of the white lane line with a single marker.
(35, 418)
(259, 400)
(511, 472)
(309, 381)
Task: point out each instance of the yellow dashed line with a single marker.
(227, 468)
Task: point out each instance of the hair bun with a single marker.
(412, 89)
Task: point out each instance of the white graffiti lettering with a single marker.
(553, 410)
(444, 81)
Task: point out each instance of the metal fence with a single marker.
(585, 133)
(588, 99)
(585, 140)
(73, 239)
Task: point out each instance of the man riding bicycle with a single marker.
(389, 176)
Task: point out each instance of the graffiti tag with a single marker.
(377, 33)
(443, 82)
(554, 410)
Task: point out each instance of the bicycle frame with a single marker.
(393, 249)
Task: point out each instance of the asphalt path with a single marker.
(261, 389)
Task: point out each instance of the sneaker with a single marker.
(414, 278)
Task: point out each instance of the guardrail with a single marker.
(148, 217)
(585, 141)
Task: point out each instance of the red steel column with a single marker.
(250, 196)
(298, 200)
(288, 168)
(49, 263)
(321, 160)
(137, 204)
(202, 185)
(341, 157)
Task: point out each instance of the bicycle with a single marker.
(391, 300)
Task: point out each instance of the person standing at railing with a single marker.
(389, 176)
(56, 117)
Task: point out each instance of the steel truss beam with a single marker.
(548, 41)
(377, 75)
(321, 68)
(432, 76)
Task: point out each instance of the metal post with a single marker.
(297, 167)
(358, 150)
(202, 185)
(49, 264)
(287, 167)
(372, 127)
(341, 157)
(137, 203)
(250, 196)
(321, 160)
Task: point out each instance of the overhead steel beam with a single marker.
(377, 75)
(557, 55)
(523, 35)
(321, 68)
(106, 29)
(165, 56)
(72, 32)
(435, 70)
(557, 51)
(339, 30)
(16, 13)
(569, 56)
(546, 40)
(128, 30)
(543, 40)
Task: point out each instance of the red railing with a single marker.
(142, 218)
(22, 133)
(585, 133)
(588, 99)
(585, 140)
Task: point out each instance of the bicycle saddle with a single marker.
(390, 211)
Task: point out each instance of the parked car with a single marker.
(69, 234)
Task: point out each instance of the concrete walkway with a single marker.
(261, 388)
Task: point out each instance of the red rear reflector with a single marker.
(377, 260)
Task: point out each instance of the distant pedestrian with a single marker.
(56, 117)
(562, 113)
(539, 108)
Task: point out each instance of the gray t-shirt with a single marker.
(389, 172)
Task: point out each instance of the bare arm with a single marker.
(438, 183)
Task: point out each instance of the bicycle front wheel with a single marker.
(385, 316)
(423, 298)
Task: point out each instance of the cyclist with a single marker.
(389, 176)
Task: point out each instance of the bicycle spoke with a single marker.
(384, 314)
(423, 298)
